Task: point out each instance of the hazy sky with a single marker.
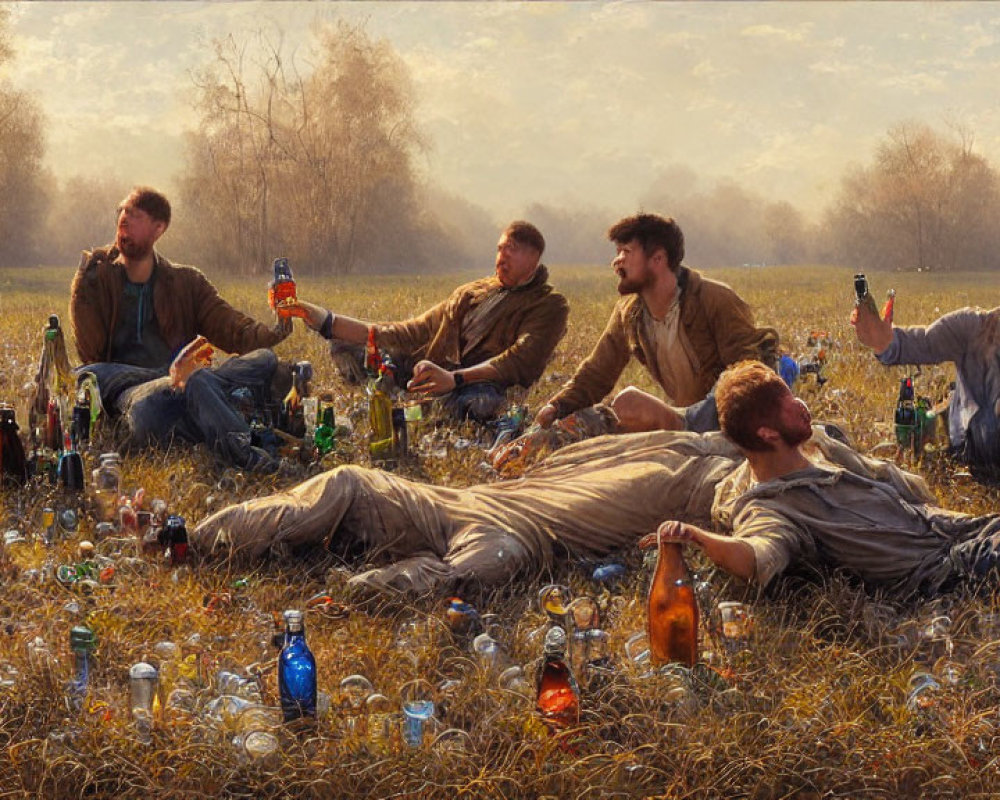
(569, 104)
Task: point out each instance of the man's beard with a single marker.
(132, 249)
(634, 285)
(793, 437)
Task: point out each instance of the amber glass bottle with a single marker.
(672, 611)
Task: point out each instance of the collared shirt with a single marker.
(675, 362)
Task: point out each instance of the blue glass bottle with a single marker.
(81, 642)
(296, 671)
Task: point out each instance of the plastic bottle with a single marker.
(82, 643)
(672, 611)
(107, 486)
(557, 695)
(296, 670)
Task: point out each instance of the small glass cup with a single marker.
(735, 619)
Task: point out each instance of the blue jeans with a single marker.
(202, 412)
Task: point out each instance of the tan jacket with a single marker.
(519, 347)
(185, 302)
(717, 322)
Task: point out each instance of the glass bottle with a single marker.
(142, 682)
(82, 643)
(418, 707)
(281, 290)
(70, 469)
(557, 695)
(296, 670)
(672, 611)
(107, 486)
(12, 458)
(380, 417)
(324, 434)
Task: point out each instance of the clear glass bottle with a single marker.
(296, 670)
(142, 681)
(107, 486)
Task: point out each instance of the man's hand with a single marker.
(195, 355)
(670, 531)
(871, 329)
(429, 378)
(546, 415)
(312, 314)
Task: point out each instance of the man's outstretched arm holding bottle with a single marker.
(728, 553)
(428, 377)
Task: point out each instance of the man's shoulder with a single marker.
(698, 285)
(186, 273)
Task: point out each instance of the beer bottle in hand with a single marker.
(672, 611)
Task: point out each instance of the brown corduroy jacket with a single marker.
(185, 302)
(717, 322)
(518, 346)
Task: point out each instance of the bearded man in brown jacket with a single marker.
(135, 316)
(684, 328)
(488, 335)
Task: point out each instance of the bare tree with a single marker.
(926, 202)
(315, 165)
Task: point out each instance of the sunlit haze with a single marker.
(577, 104)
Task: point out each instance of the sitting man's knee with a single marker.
(639, 411)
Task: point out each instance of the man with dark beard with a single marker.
(791, 510)
(135, 316)
(684, 328)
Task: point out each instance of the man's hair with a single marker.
(152, 202)
(652, 232)
(525, 233)
(747, 397)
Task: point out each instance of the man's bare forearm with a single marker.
(732, 555)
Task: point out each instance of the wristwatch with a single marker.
(459, 379)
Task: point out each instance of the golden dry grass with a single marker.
(816, 708)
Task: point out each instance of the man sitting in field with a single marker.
(789, 510)
(135, 316)
(970, 338)
(684, 328)
(488, 335)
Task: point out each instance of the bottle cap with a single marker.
(293, 620)
(555, 641)
(82, 638)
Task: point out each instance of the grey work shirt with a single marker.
(862, 515)
(969, 338)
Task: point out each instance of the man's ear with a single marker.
(768, 435)
(160, 227)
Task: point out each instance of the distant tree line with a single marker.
(322, 165)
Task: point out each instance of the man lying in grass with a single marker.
(792, 511)
(589, 499)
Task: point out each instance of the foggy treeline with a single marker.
(322, 166)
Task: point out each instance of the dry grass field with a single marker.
(816, 707)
